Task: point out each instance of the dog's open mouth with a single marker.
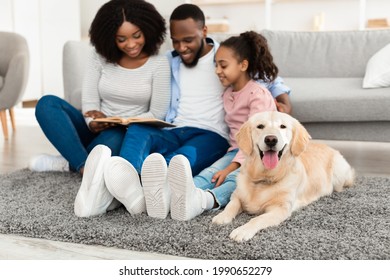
(271, 158)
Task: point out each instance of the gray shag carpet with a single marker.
(354, 224)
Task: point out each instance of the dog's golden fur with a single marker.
(302, 171)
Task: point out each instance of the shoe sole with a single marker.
(179, 172)
(156, 190)
(91, 184)
(122, 181)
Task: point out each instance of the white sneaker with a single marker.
(45, 162)
(93, 198)
(155, 186)
(187, 201)
(122, 180)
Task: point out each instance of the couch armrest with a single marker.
(74, 60)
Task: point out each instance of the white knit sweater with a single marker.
(117, 91)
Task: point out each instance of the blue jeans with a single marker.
(201, 147)
(224, 191)
(66, 129)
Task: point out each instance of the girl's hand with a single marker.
(97, 127)
(219, 177)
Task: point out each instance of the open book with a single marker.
(128, 121)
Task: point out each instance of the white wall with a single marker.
(26, 22)
(88, 9)
(46, 25)
(6, 17)
(298, 14)
(59, 22)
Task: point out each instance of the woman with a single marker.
(125, 77)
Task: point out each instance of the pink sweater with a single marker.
(241, 105)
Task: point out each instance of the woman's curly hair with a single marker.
(112, 15)
(253, 47)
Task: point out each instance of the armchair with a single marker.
(14, 68)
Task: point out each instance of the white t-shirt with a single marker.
(201, 103)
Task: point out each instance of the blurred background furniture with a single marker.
(14, 69)
(377, 23)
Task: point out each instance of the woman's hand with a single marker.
(94, 114)
(97, 127)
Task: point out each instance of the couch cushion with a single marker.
(350, 131)
(378, 69)
(325, 54)
(1, 82)
(337, 100)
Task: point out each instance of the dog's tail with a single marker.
(343, 173)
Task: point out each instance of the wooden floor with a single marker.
(366, 157)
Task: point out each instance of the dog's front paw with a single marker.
(242, 233)
(222, 219)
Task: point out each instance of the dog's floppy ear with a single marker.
(300, 138)
(244, 138)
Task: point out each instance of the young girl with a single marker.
(239, 60)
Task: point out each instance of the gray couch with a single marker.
(325, 71)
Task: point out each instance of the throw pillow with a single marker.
(378, 69)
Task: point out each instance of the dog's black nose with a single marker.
(271, 140)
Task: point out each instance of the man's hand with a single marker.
(283, 103)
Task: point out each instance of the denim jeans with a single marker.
(66, 129)
(201, 147)
(224, 191)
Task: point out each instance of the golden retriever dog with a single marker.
(283, 172)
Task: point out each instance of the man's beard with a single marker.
(197, 57)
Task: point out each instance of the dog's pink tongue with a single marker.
(270, 159)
